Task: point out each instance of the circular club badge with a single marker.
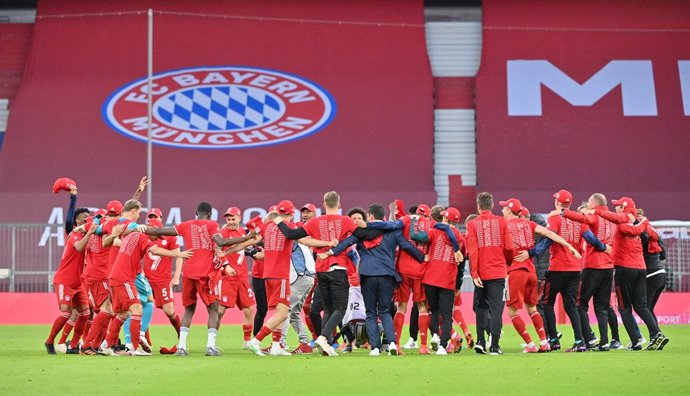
(221, 107)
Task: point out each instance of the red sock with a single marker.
(519, 325)
(58, 324)
(87, 328)
(65, 331)
(539, 325)
(460, 320)
(104, 331)
(79, 328)
(175, 322)
(423, 327)
(99, 321)
(398, 321)
(148, 337)
(247, 330)
(276, 335)
(263, 333)
(134, 329)
(114, 330)
(307, 320)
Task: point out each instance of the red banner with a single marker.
(589, 97)
(253, 102)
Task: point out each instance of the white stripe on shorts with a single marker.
(129, 291)
(61, 291)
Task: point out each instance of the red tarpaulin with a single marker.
(298, 107)
(586, 96)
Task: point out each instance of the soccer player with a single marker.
(159, 272)
(277, 253)
(522, 276)
(232, 284)
(654, 252)
(331, 272)
(302, 271)
(69, 290)
(631, 274)
(122, 277)
(377, 275)
(199, 235)
(440, 275)
(490, 248)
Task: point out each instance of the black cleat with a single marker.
(663, 344)
(50, 348)
(602, 348)
(72, 351)
(480, 348)
(495, 350)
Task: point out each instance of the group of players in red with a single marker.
(107, 253)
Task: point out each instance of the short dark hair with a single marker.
(471, 217)
(377, 211)
(357, 210)
(78, 212)
(413, 209)
(485, 201)
(436, 212)
(205, 208)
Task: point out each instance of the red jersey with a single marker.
(603, 229)
(96, 259)
(522, 231)
(490, 246)
(406, 264)
(258, 269)
(71, 264)
(198, 236)
(627, 245)
(108, 229)
(442, 269)
(277, 252)
(236, 260)
(326, 228)
(158, 269)
(128, 262)
(571, 231)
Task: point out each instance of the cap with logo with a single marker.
(114, 207)
(452, 214)
(156, 212)
(513, 204)
(233, 211)
(563, 196)
(424, 210)
(308, 206)
(286, 207)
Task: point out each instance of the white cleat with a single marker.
(411, 344)
(374, 352)
(278, 351)
(140, 352)
(441, 352)
(245, 345)
(323, 346)
(107, 352)
(255, 346)
(392, 349)
(435, 341)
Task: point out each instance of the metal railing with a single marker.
(30, 254)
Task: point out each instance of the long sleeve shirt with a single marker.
(490, 246)
(627, 246)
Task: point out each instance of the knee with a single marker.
(168, 310)
(135, 309)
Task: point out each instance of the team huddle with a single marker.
(352, 276)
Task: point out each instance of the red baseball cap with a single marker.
(155, 211)
(423, 209)
(154, 223)
(308, 206)
(100, 212)
(625, 202)
(64, 184)
(114, 207)
(525, 211)
(563, 196)
(233, 211)
(254, 222)
(452, 214)
(513, 204)
(286, 207)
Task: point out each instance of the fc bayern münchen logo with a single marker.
(220, 107)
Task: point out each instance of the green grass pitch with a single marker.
(26, 369)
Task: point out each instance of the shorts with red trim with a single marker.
(409, 286)
(277, 291)
(162, 294)
(124, 295)
(193, 288)
(522, 288)
(98, 291)
(458, 300)
(231, 291)
(74, 297)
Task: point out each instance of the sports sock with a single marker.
(265, 331)
(211, 339)
(519, 325)
(135, 327)
(182, 343)
(277, 333)
(398, 321)
(538, 325)
(58, 324)
(114, 330)
(423, 327)
(79, 327)
(247, 330)
(101, 319)
(66, 330)
(104, 330)
(147, 335)
(146, 315)
(175, 322)
(87, 328)
(127, 330)
(307, 319)
(460, 320)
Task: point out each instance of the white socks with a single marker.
(184, 332)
